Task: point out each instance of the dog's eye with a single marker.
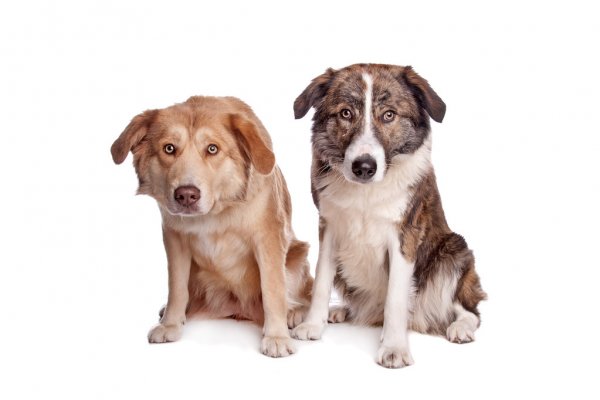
(169, 148)
(389, 116)
(346, 114)
(212, 149)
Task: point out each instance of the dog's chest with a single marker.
(361, 220)
(221, 250)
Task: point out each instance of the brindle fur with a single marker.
(438, 253)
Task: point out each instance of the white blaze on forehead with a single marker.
(366, 142)
(368, 104)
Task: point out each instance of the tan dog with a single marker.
(226, 216)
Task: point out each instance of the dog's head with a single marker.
(366, 114)
(194, 155)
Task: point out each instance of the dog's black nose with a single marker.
(187, 195)
(364, 167)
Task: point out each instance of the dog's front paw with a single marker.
(274, 346)
(308, 331)
(164, 333)
(295, 316)
(337, 314)
(394, 357)
(460, 332)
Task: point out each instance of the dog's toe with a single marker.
(164, 333)
(337, 314)
(460, 332)
(277, 346)
(308, 331)
(394, 357)
(295, 316)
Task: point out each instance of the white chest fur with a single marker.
(361, 217)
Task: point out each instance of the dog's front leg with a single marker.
(393, 351)
(316, 319)
(270, 254)
(179, 259)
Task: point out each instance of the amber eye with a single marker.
(169, 148)
(346, 114)
(388, 116)
(212, 149)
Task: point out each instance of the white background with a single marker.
(82, 264)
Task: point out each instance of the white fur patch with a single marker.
(366, 142)
(368, 101)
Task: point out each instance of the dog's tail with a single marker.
(469, 292)
(299, 280)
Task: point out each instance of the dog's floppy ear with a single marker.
(426, 95)
(132, 135)
(313, 93)
(254, 140)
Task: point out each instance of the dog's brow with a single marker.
(352, 98)
(383, 96)
(178, 131)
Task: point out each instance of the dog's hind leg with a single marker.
(468, 296)
(446, 302)
(462, 330)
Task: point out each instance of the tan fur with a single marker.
(234, 253)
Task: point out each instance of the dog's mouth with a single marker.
(358, 181)
(184, 211)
